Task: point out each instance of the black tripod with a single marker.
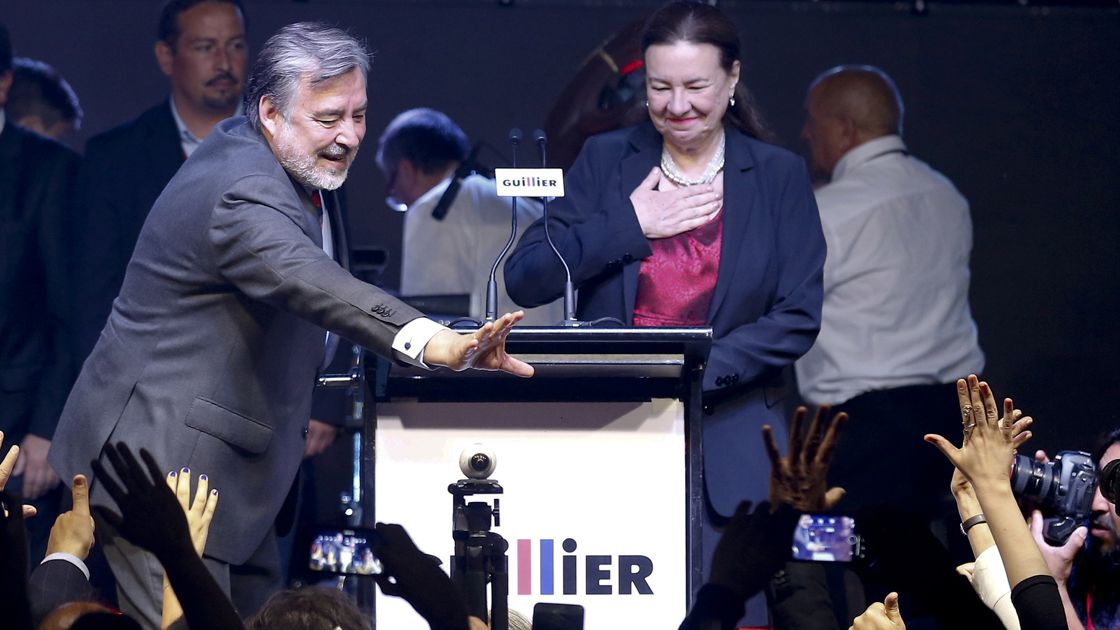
(480, 554)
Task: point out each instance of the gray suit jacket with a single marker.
(210, 352)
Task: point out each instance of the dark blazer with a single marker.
(36, 177)
(765, 310)
(211, 350)
(123, 172)
(54, 583)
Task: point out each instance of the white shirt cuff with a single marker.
(72, 559)
(413, 337)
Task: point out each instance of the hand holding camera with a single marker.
(1059, 558)
(1063, 487)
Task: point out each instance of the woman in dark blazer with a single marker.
(688, 219)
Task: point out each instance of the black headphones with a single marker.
(466, 167)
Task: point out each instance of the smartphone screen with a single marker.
(557, 617)
(825, 538)
(343, 551)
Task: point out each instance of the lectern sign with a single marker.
(592, 507)
(529, 182)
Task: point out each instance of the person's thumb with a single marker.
(651, 180)
(943, 445)
(833, 496)
(1076, 539)
(891, 604)
(1035, 525)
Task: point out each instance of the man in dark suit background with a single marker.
(201, 48)
(36, 176)
(211, 349)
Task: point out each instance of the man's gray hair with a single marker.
(304, 49)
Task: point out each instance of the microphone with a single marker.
(569, 289)
(492, 283)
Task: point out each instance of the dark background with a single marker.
(1018, 105)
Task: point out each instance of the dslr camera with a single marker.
(1063, 487)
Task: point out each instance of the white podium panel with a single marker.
(594, 507)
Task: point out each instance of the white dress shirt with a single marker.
(896, 278)
(187, 140)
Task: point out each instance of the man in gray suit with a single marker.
(210, 353)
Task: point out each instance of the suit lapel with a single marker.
(739, 191)
(645, 146)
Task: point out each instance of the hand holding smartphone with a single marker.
(827, 538)
(344, 552)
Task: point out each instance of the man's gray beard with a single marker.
(302, 166)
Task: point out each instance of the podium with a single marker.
(598, 455)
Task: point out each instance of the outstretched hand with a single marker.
(199, 512)
(483, 349)
(7, 465)
(150, 515)
(1059, 559)
(990, 439)
(800, 479)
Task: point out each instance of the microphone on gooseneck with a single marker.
(492, 283)
(569, 289)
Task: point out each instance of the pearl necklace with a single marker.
(673, 172)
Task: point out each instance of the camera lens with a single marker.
(1110, 481)
(1032, 479)
(480, 461)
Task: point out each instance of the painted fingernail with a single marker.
(202, 477)
(172, 474)
(186, 470)
(214, 492)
